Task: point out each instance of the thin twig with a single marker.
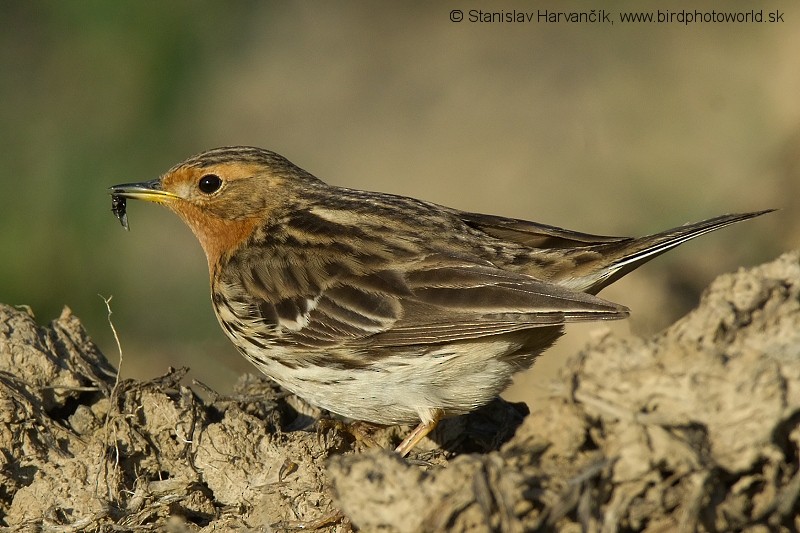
(116, 339)
(112, 401)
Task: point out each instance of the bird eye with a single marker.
(209, 183)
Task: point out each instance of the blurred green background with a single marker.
(623, 129)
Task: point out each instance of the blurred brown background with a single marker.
(623, 129)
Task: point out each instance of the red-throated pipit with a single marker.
(383, 308)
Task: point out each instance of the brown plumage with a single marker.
(384, 308)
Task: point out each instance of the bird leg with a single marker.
(360, 431)
(419, 433)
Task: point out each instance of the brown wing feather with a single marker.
(432, 304)
(532, 234)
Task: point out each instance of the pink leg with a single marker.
(418, 434)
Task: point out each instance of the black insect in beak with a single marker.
(118, 206)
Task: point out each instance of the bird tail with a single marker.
(620, 258)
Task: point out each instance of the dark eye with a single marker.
(209, 183)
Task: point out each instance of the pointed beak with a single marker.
(150, 191)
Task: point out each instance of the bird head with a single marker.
(223, 194)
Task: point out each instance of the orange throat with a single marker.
(218, 237)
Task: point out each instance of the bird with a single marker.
(382, 308)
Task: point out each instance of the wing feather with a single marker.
(432, 303)
(531, 234)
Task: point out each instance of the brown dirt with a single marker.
(696, 428)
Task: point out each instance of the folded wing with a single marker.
(433, 302)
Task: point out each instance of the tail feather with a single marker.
(624, 257)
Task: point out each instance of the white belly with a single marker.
(402, 388)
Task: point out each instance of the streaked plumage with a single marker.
(384, 308)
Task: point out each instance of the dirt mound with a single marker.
(697, 428)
